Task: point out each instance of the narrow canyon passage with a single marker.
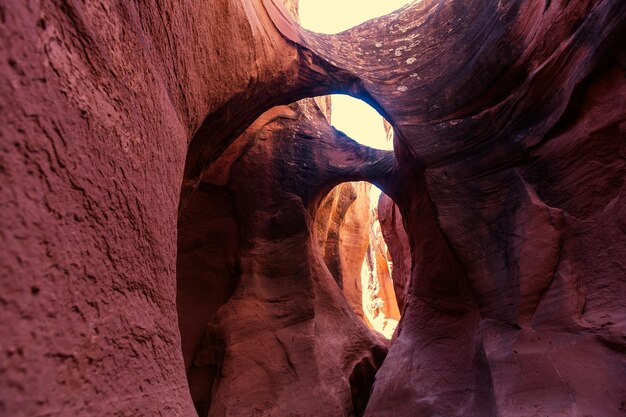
(264, 231)
(348, 229)
(455, 309)
(188, 230)
(262, 281)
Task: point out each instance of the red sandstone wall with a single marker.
(394, 234)
(342, 230)
(509, 123)
(98, 102)
(500, 112)
(351, 241)
(285, 341)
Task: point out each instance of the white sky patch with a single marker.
(333, 16)
(360, 121)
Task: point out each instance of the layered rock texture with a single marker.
(158, 190)
(342, 227)
(379, 298)
(398, 247)
(285, 340)
(352, 244)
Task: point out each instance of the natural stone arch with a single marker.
(100, 101)
(273, 176)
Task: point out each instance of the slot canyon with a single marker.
(186, 233)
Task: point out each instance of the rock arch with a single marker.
(509, 174)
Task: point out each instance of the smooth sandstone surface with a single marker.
(286, 341)
(489, 105)
(349, 235)
(130, 132)
(397, 241)
(342, 228)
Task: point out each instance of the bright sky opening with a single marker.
(333, 16)
(354, 117)
(360, 121)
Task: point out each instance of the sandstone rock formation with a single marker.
(379, 298)
(100, 102)
(490, 242)
(342, 228)
(350, 238)
(394, 235)
(116, 121)
(285, 341)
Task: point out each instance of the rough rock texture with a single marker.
(98, 103)
(509, 123)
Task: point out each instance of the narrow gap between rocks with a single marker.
(351, 240)
(242, 252)
(347, 224)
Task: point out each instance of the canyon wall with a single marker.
(350, 239)
(342, 229)
(99, 104)
(394, 235)
(115, 126)
(500, 112)
(379, 299)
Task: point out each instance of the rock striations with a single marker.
(159, 180)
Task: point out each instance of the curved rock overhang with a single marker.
(481, 97)
(510, 178)
(463, 80)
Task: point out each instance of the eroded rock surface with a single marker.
(509, 123)
(342, 229)
(394, 235)
(285, 341)
(351, 241)
(99, 104)
(379, 298)
(496, 110)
